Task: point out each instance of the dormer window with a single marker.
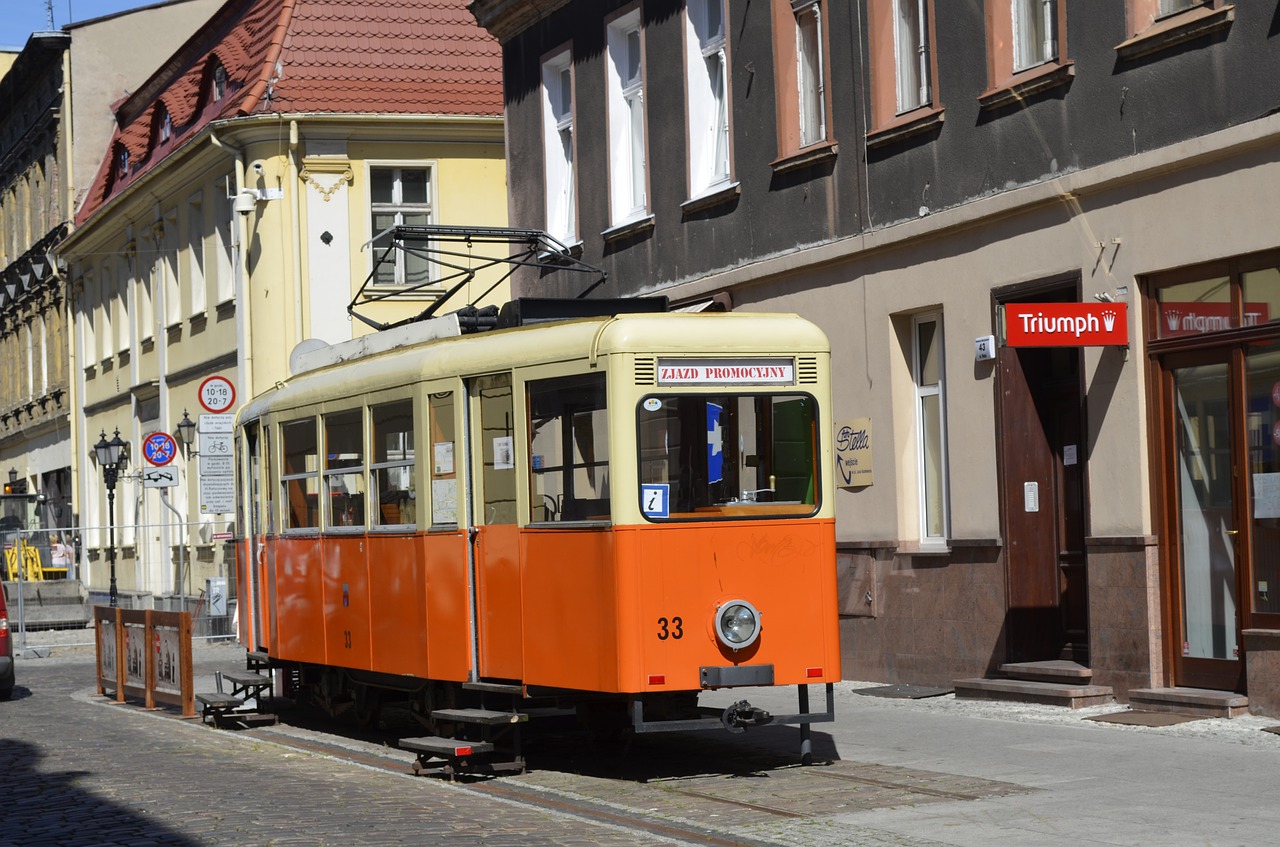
(166, 127)
(219, 81)
(122, 163)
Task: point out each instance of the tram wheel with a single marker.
(368, 706)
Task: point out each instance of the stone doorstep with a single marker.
(1060, 671)
(1201, 702)
(1031, 691)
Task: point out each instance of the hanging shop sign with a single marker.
(1066, 324)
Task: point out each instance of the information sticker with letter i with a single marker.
(655, 500)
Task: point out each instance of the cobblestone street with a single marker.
(85, 771)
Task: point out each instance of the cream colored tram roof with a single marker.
(665, 334)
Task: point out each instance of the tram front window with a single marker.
(728, 455)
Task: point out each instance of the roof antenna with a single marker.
(48, 10)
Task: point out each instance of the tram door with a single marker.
(250, 598)
(495, 540)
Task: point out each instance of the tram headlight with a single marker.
(737, 624)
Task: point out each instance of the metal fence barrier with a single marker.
(54, 576)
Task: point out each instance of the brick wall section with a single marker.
(933, 618)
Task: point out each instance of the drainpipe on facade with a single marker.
(244, 348)
(160, 573)
(294, 191)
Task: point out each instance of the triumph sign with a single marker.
(1066, 324)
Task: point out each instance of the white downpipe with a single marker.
(244, 335)
(295, 192)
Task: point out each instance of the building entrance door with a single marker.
(1042, 456)
(1213, 335)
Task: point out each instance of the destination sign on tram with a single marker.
(726, 372)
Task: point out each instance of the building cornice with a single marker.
(506, 19)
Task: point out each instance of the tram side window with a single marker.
(444, 476)
(711, 456)
(344, 480)
(392, 465)
(497, 449)
(300, 480)
(568, 449)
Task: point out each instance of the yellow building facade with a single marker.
(224, 230)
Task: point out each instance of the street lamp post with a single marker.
(112, 458)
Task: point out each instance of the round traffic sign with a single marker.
(217, 394)
(159, 448)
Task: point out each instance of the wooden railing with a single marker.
(145, 654)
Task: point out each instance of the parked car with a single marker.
(6, 652)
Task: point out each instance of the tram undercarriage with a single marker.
(441, 708)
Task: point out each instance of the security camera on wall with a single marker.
(258, 168)
(246, 201)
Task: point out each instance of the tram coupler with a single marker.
(742, 714)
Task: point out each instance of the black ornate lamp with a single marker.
(113, 457)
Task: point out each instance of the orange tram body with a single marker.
(610, 513)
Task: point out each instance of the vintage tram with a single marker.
(615, 511)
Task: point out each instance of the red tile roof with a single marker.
(401, 57)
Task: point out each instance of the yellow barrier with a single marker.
(33, 568)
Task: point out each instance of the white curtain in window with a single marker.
(706, 89)
(1034, 36)
(557, 128)
(810, 75)
(625, 69)
(912, 45)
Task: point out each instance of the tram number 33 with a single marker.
(673, 629)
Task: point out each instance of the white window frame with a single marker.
(30, 358)
(707, 96)
(123, 293)
(811, 72)
(558, 147)
(931, 535)
(223, 225)
(195, 255)
(42, 372)
(1035, 33)
(167, 244)
(144, 265)
(1173, 7)
(85, 320)
(218, 82)
(911, 54)
(397, 208)
(106, 337)
(628, 179)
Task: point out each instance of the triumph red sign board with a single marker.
(1066, 324)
